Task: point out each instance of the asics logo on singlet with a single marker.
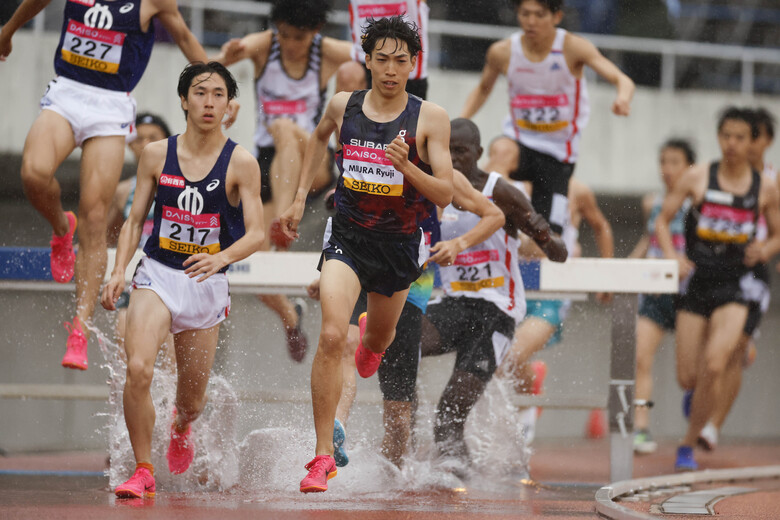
(99, 17)
(126, 8)
(190, 200)
(212, 185)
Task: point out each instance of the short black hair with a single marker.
(684, 146)
(391, 28)
(761, 118)
(147, 118)
(469, 127)
(553, 5)
(733, 113)
(195, 69)
(303, 14)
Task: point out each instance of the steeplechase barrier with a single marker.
(290, 272)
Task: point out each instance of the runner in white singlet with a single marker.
(354, 75)
(484, 298)
(293, 63)
(548, 99)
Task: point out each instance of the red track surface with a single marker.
(566, 476)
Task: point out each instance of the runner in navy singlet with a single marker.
(395, 168)
(207, 215)
(103, 51)
(727, 198)
(755, 286)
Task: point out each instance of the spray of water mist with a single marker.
(268, 462)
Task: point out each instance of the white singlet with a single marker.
(762, 232)
(488, 270)
(548, 106)
(279, 95)
(415, 11)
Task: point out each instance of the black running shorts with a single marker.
(476, 329)
(550, 180)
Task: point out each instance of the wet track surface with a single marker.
(567, 473)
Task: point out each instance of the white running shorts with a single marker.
(91, 111)
(193, 305)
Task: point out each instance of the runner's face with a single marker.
(536, 20)
(294, 41)
(390, 65)
(734, 139)
(206, 101)
(145, 134)
(673, 165)
(464, 152)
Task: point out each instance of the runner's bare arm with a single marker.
(433, 132)
(242, 187)
(684, 188)
(496, 63)
(316, 148)
(467, 198)
(585, 52)
(602, 230)
(23, 14)
(253, 46)
(641, 247)
(151, 161)
(168, 13)
(521, 216)
(334, 53)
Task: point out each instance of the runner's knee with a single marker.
(332, 340)
(139, 372)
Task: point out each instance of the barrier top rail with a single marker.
(277, 272)
(291, 272)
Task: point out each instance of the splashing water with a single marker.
(497, 434)
(215, 467)
(268, 462)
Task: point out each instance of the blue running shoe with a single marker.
(685, 461)
(339, 453)
(686, 403)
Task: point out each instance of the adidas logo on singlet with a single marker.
(555, 66)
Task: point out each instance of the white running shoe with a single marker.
(708, 437)
(528, 420)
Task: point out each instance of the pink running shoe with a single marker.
(366, 361)
(277, 236)
(321, 469)
(539, 369)
(181, 450)
(140, 485)
(297, 343)
(76, 353)
(63, 259)
(540, 372)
